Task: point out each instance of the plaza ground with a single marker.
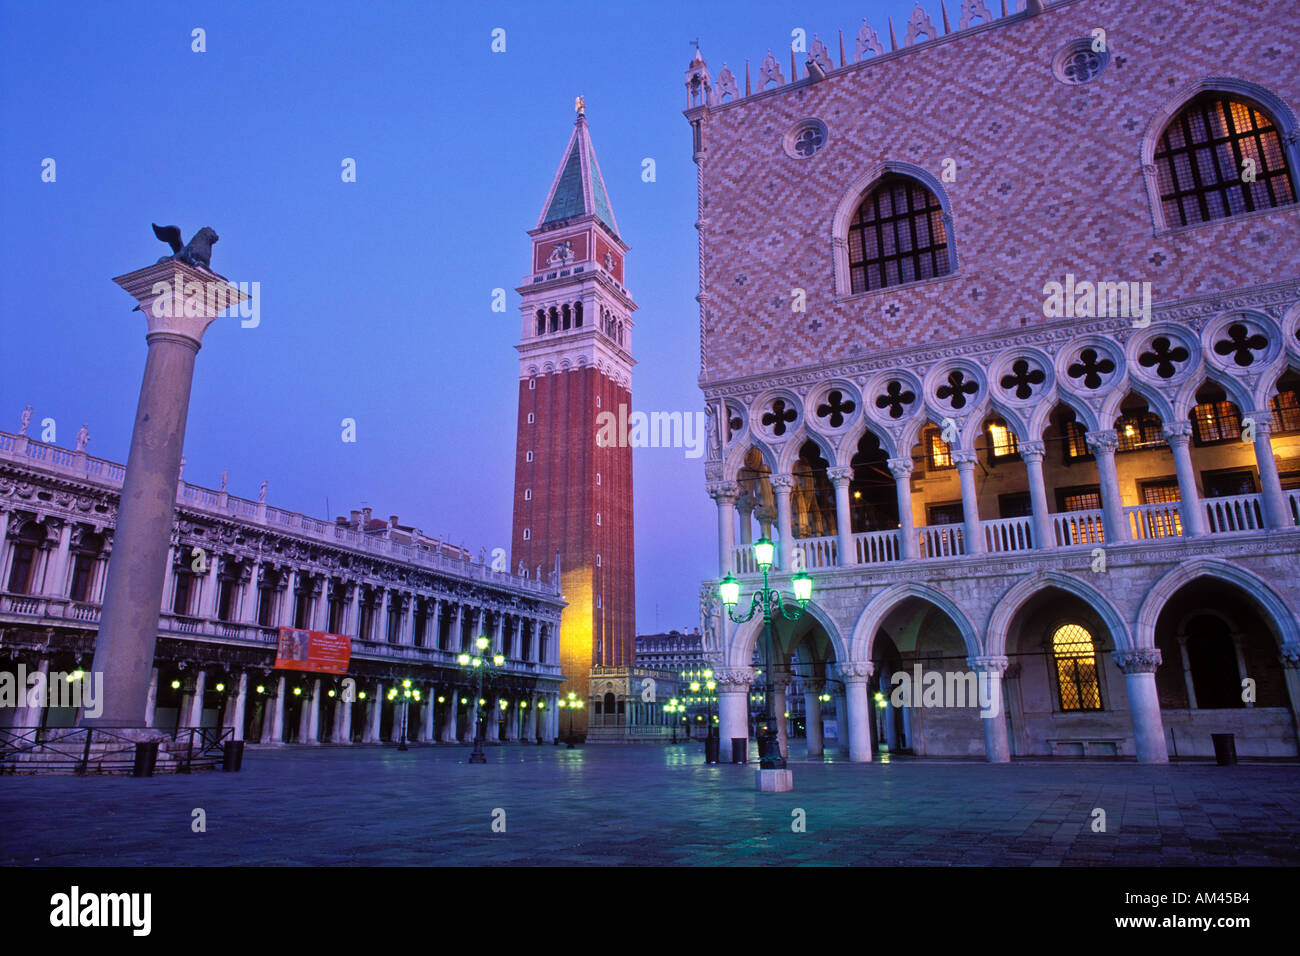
(652, 806)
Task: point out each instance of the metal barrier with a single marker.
(83, 750)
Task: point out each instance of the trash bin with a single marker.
(740, 750)
(711, 747)
(1225, 749)
(146, 755)
(232, 756)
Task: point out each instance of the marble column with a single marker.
(972, 527)
(901, 469)
(239, 703)
(733, 707)
(783, 486)
(277, 720)
(471, 717)
(1103, 445)
(405, 633)
(57, 574)
(841, 477)
(780, 684)
(1276, 512)
(724, 493)
(288, 598)
(211, 581)
(1179, 436)
(745, 508)
(248, 595)
(374, 714)
(492, 727)
(26, 716)
(352, 625)
(530, 720)
(841, 721)
(1032, 453)
(855, 675)
(812, 708)
(451, 705)
(1139, 667)
(194, 717)
(151, 698)
(380, 634)
(344, 735)
(989, 671)
(313, 720)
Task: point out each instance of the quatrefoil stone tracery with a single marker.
(895, 399)
(956, 388)
(835, 408)
(1090, 367)
(779, 416)
(1241, 344)
(1164, 356)
(1022, 379)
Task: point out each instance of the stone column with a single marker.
(530, 720)
(492, 727)
(512, 720)
(24, 715)
(405, 633)
(457, 635)
(248, 609)
(841, 722)
(1290, 657)
(989, 671)
(780, 683)
(812, 708)
(733, 707)
(724, 493)
(901, 469)
(782, 486)
(745, 508)
(374, 713)
(4, 534)
(471, 717)
(313, 720)
(841, 477)
(973, 529)
(194, 718)
(1032, 452)
(56, 576)
(169, 578)
(497, 625)
(855, 675)
(1179, 436)
(452, 704)
(1103, 445)
(344, 735)
(288, 598)
(352, 625)
(239, 704)
(1139, 667)
(277, 715)
(381, 617)
(427, 705)
(1276, 512)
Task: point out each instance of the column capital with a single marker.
(782, 483)
(723, 490)
(1290, 656)
(733, 679)
(839, 475)
(1177, 433)
(1032, 450)
(1102, 442)
(855, 672)
(180, 300)
(1263, 419)
(1142, 660)
(964, 457)
(900, 467)
(988, 665)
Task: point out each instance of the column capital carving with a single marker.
(964, 458)
(900, 467)
(1032, 450)
(1290, 656)
(1263, 419)
(1102, 442)
(782, 483)
(734, 679)
(988, 665)
(855, 672)
(1142, 660)
(723, 490)
(838, 475)
(1177, 433)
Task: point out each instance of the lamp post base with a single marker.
(774, 781)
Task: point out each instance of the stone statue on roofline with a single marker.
(25, 419)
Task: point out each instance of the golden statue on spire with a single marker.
(580, 106)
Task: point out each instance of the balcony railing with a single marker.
(877, 547)
(1234, 513)
(941, 540)
(818, 552)
(1009, 534)
(1078, 528)
(1161, 520)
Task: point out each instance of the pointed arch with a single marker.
(744, 638)
(874, 614)
(1254, 587)
(1016, 596)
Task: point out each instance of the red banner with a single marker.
(314, 651)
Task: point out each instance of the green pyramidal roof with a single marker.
(579, 189)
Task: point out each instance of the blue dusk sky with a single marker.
(375, 295)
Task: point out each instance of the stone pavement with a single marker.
(652, 806)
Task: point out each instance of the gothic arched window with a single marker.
(577, 315)
(897, 235)
(1075, 657)
(1220, 156)
(541, 321)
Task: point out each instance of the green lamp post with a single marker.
(479, 665)
(768, 600)
(402, 697)
(571, 702)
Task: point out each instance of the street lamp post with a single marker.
(402, 698)
(671, 709)
(478, 664)
(572, 703)
(711, 742)
(769, 601)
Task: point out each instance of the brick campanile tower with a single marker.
(572, 498)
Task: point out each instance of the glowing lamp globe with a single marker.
(802, 585)
(729, 591)
(764, 553)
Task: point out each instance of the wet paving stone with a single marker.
(652, 806)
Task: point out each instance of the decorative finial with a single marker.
(580, 106)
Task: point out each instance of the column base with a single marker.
(774, 781)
